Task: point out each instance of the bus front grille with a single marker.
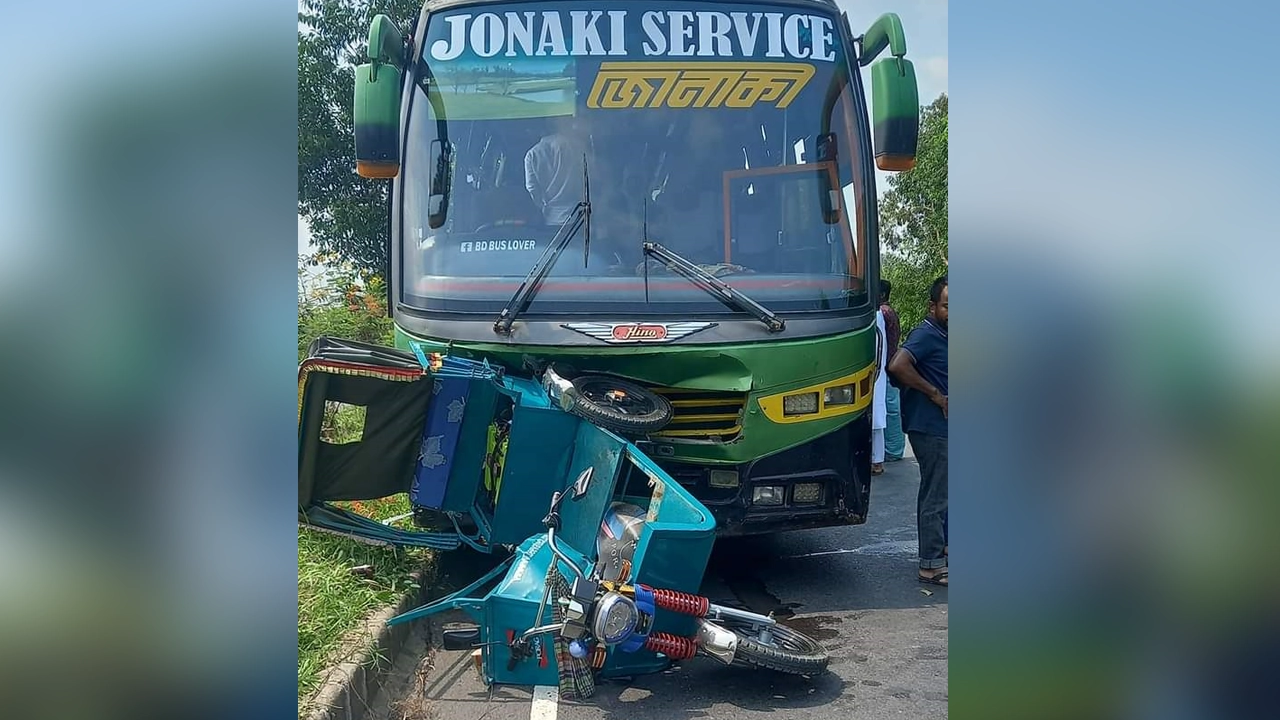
(703, 414)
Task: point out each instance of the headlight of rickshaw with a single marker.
(615, 619)
(560, 390)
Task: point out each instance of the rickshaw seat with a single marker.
(454, 443)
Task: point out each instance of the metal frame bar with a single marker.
(454, 600)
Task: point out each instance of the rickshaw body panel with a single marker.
(549, 450)
(672, 552)
(537, 464)
(511, 608)
(451, 486)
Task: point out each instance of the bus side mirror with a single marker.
(895, 106)
(895, 98)
(377, 102)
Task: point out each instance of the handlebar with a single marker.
(554, 627)
(552, 521)
(551, 543)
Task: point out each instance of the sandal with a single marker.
(877, 469)
(939, 578)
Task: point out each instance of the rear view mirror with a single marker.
(895, 97)
(438, 199)
(827, 150)
(377, 102)
(583, 483)
(829, 197)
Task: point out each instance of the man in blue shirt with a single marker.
(920, 369)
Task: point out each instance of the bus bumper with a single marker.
(822, 483)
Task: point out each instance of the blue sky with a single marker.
(1142, 114)
(925, 23)
(1131, 145)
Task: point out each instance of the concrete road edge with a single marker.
(350, 686)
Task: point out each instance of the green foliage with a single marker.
(333, 601)
(347, 217)
(913, 220)
(347, 213)
(342, 423)
(345, 303)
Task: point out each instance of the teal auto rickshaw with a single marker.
(604, 552)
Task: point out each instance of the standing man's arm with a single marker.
(531, 175)
(903, 367)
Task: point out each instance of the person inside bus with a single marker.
(553, 169)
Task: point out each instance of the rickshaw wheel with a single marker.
(621, 406)
(789, 651)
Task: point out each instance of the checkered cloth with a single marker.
(577, 680)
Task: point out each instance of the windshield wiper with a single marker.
(714, 286)
(581, 215)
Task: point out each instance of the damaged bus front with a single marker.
(680, 195)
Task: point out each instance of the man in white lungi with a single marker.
(879, 413)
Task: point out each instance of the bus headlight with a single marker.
(724, 479)
(807, 493)
(800, 404)
(838, 395)
(768, 495)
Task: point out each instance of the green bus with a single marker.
(677, 194)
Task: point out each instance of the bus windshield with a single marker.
(732, 134)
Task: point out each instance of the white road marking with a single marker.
(545, 702)
(893, 547)
(824, 552)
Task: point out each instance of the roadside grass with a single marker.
(333, 601)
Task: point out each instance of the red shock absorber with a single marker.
(673, 646)
(683, 603)
(598, 657)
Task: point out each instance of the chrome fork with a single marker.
(721, 643)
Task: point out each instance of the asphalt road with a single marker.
(853, 589)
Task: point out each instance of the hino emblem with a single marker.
(619, 333)
(640, 333)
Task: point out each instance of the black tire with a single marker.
(640, 412)
(791, 651)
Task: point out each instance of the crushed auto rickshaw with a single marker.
(605, 552)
